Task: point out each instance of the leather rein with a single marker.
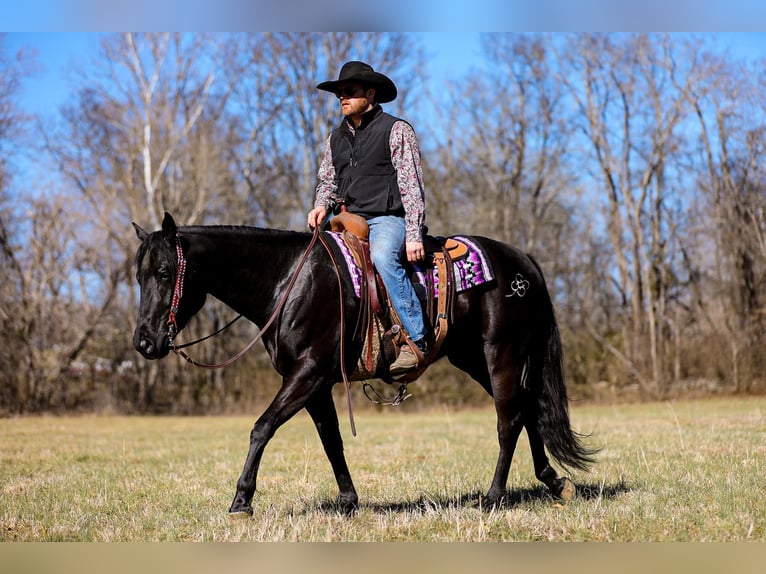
(178, 293)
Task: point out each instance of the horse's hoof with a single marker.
(348, 505)
(491, 502)
(567, 491)
(242, 514)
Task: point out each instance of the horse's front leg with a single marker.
(291, 397)
(322, 410)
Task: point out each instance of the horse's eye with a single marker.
(163, 273)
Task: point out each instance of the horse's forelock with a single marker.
(152, 251)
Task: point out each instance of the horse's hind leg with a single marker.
(322, 410)
(509, 419)
(493, 370)
(509, 426)
(561, 487)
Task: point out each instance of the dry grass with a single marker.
(685, 471)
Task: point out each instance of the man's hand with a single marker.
(317, 216)
(415, 251)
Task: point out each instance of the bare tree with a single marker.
(630, 96)
(142, 138)
(515, 145)
(59, 309)
(728, 103)
(13, 289)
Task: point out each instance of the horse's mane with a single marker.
(241, 229)
(245, 232)
(280, 243)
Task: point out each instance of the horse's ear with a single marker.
(140, 232)
(169, 228)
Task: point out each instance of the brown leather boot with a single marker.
(406, 361)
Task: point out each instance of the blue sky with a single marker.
(53, 52)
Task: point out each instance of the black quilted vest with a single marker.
(366, 177)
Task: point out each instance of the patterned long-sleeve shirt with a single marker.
(405, 157)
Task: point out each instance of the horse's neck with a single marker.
(245, 267)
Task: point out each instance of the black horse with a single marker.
(509, 344)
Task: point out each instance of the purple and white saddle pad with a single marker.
(471, 270)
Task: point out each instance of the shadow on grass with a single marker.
(512, 499)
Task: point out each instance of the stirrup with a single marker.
(400, 396)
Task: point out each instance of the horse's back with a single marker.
(507, 261)
(510, 305)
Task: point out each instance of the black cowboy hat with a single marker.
(385, 90)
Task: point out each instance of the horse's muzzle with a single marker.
(151, 346)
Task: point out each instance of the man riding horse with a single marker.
(372, 164)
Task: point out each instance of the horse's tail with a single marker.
(563, 444)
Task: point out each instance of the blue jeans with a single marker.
(387, 238)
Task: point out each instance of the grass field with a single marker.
(675, 471)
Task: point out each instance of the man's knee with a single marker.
(383, 258)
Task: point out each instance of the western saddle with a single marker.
(379, 328)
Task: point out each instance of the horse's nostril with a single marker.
(146, 347)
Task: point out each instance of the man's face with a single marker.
(354, 99)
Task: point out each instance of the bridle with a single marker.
(178, 291)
